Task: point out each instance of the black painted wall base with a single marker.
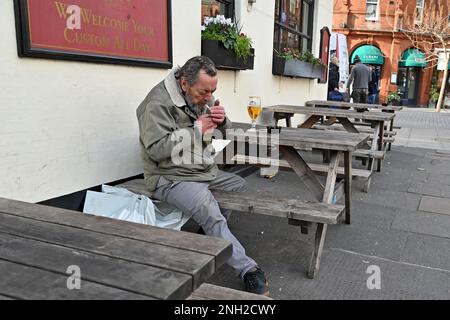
(75, 201)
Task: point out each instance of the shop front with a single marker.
(409, 75)
(373, 57)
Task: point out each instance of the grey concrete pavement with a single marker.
(423, 128)
(401, 226)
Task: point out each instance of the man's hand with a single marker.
(205, 124)
(217, 113)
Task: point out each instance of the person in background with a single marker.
(360, 78)
(333, 75)
(373, 86)
(333, 86)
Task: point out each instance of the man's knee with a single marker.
(197, 201)
(229, 182)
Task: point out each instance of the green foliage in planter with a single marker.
(434, 93)
(221, 29)
(393, 96)
(242, 46)
(294, 54)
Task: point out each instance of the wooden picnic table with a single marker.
(377, 120)
(340, 144)
(342, 104)
(116, 259)
(357, 106)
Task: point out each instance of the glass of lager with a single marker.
(254, 109)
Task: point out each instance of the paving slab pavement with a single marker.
(410, 246)
(401, 227)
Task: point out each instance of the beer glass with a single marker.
(254, 109)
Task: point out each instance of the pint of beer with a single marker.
(254, 109)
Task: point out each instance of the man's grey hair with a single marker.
(192, 67)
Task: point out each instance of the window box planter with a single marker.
(396, 103)
(296, 68)
(225, 59)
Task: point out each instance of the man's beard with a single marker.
(195, 108)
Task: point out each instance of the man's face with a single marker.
(201, 92)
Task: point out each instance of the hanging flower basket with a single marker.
(224, 58)
(296, 68)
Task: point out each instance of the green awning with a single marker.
(368, 54)
(412, 58)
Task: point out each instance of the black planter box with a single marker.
(225, 59)
(296, 68)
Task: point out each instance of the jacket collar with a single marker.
(173, 88)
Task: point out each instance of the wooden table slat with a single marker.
(342, 104)
(219, 248)
(310, 138)
(367, 115)
(199, 266)
(117, 273)
(23, 282)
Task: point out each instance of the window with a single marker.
(293, 24)
(419, 11)
(371, 9)
(212, 8)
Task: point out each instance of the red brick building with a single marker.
(371, 28)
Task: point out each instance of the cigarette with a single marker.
(207, 109)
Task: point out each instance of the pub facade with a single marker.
(74, 71)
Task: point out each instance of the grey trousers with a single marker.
(196, 200)
(360, 96)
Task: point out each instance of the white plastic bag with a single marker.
(119, 203)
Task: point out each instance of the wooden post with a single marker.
(319, 242)
(347, 184)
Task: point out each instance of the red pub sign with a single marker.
(114, 31)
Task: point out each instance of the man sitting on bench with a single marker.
(182, 106)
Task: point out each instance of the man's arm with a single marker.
(159, 132)
(350, 79)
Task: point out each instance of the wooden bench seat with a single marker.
(366, 153)
(366, 124)
(213, 292)
(297, 212)
(283, 164)
(388, 135)
(295, 209)
(386, 140)
(362, 130)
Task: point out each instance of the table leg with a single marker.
(288, 121)
(391, 128)
(319, 242)
(283, 115)
(347, 184)
(322, 228)
(310, 122)
(325, 194)
(331, 177)
(303, 171)
(380, 143)
(348, 125)
(375, 135)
